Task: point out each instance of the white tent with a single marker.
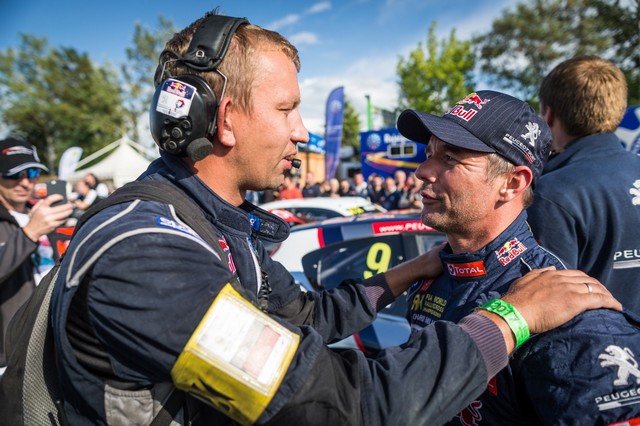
(125, 162)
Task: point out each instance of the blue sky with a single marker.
(350, 43)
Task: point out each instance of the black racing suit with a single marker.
(144, 296)
(565, 376)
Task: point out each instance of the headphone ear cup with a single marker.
(183, 112)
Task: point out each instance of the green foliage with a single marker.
(57, 98)
(139, 69)
(350, 126)
(525, 43)
(435, 76)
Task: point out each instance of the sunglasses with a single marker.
(29, 173)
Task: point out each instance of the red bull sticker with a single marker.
(509, 251)
(467, 270)
(465, 114)
(175, 98)
(473, 99)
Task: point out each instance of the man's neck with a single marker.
(479, 236)
(15, 207)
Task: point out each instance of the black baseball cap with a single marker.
(17, 155)
(486, 121)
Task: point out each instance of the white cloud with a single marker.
(319, 7)
(304, 37)
(365, 76)
(287, 20)
(294, 18)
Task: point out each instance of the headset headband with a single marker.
(209, 43)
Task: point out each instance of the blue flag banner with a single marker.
(333, 131)
(316, 144)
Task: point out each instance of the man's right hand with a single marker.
(547, 298)
(43, 218)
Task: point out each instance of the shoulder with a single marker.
(136, 220)
(580, 372)
(542, 257)
(586, 336)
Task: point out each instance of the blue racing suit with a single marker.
(565, 376)
(136, 281)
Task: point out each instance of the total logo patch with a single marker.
(509, 251)
(467, 270)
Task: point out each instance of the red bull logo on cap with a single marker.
(473, 99)
(509, 251)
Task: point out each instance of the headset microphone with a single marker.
(296, 162)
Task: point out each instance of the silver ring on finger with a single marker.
(589, 287)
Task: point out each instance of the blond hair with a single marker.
(587, 93)
(239, 64)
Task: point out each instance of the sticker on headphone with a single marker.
(175, 98)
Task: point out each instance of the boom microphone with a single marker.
(296, 162)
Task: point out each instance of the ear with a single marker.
(548, 115)
(224, 122)
(516, 183)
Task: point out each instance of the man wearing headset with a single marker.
(159, 309)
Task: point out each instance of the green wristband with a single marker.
(516, 322)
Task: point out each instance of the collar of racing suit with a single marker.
(506, 248)
(248, 216)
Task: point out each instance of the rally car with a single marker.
(320, 255)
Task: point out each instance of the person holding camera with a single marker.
(25, 251)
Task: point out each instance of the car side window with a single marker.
(314, 214)
(360, 258)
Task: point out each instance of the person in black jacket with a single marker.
(587, 203)
(160, 308)
(25, 252)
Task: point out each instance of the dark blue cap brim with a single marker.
(419, 126)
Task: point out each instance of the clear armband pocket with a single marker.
(236, 358)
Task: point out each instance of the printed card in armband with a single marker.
(236, 358)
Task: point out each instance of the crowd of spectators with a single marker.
(393, 192)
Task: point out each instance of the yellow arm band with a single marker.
(236, 358)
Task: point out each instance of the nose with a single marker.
(425, 171)
(299, 133)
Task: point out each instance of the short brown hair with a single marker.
(239, 64)
(587, 93)
(497, 166)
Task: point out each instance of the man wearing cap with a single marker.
(25, 252)
(484, 156)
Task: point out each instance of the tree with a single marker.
(435, 76)
(139, 69)
(57, 98)
(524, 44)
(350, 127)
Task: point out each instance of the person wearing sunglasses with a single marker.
(25, 251)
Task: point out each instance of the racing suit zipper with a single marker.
(264, 289)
